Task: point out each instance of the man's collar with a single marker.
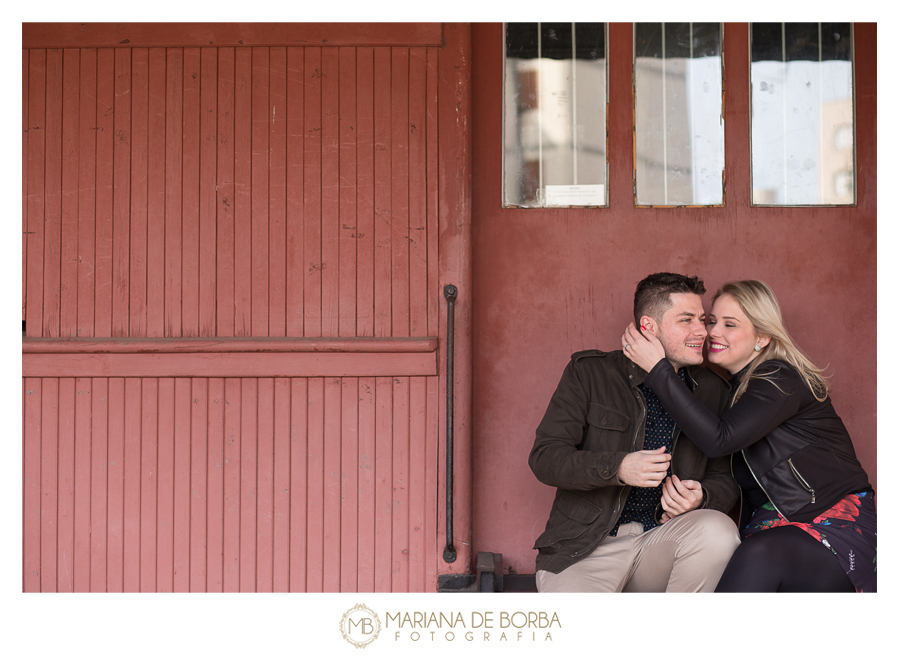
(636, 374)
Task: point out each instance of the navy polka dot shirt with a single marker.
(659, 431)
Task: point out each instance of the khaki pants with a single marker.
(687, 554)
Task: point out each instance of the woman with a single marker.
(808, 521)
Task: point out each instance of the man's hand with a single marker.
(645, 468)
(680, 496)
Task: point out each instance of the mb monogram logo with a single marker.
(360, 626)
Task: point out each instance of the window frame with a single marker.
(503, 174)
(853, 85)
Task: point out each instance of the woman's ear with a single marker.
(762, 341)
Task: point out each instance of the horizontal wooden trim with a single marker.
(232, 364)
(224, 345)
(106, 35)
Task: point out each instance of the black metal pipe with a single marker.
(450, 294)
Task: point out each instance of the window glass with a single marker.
(554, 116)
(802, 120)
(679, 137)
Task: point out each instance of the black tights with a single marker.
(783, 559)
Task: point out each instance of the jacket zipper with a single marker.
(750, 468)
(740, 492)
(800, 478)
(675, 433)
(616, 514)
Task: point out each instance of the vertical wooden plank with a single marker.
(115, 506)
(295, 184)
(149, 482)
(208, 197)
(82, 549)
(349, 471)
(103, 247)
(231, 551)
(215, 469)
(455, 256)
(312, 193)
(418, 202)
(366, 482)
(383, 483)
(65, 543)
(87, 162)
(225, 194)
(174, 182)
(435, 294)
(277, 137)
(140, 107)
(99, 481)
(49, 483)
(165, 525)
(298, 492)
(265, 482)
(156, 192)
(121, 193)
(365, 193)
(348, 193)
(31, 485)
(68, 311)
(249, 528)
(25, 76)
(53, 193)
(34, 205)
(131, 563)
(242, 170)
(382, 229)
(282, 486)
(332, 486)
(181, 559)
(190, 196)
(400, 192)
(433, 548)
(198, 507)
(315, 464)
(418, 440)
(330, 191)
(259, 193)
(400, 480)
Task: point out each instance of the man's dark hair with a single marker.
(652, 295)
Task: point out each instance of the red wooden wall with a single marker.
(231, 299)
(177, 192)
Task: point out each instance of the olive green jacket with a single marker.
(595, 418)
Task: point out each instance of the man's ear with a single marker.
(649, 325)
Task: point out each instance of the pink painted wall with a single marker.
(552, 282)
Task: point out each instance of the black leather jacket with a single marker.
(797, 448)
(595, 418)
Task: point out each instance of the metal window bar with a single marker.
(540, 102)
(574, 111)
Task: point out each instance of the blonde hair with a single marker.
(760, 305)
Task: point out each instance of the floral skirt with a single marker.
(848, 528)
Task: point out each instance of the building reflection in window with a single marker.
(554, 132)
(802, 123)
(679, 138)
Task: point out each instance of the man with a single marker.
(638, 507)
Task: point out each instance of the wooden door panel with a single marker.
(232, 281)
(230, 192)
(227, 484)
